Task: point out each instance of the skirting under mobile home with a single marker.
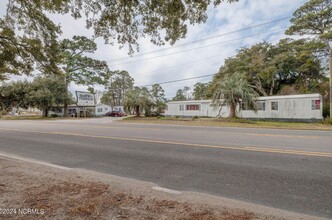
(306, 107)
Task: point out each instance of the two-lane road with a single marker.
(285, 169)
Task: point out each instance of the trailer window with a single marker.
(99, 110)
(261, 106)
(192, 107)
(274, 106)
(181, 107)
(315, 104)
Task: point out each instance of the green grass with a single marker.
(31, 117)
(24, 117)
(226, 122)
(37, 117)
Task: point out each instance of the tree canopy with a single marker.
(269, 68)
(28, 37)
(42, 93)
(14, 94)
(158, 97)
(233, 90)
(182, 94)
(127, 21)
(200, 91)
(78, 67)
(48, 92)
(314, 18)
(120, 82)
(138, 100)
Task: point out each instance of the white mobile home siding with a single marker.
(290, 107)
(102, 109)
(179, 108)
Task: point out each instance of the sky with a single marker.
(206, 46)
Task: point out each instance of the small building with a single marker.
(306, 107)
(84, 107)
(82, 111)
(102, 109)
(73, 111)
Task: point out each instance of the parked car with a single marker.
(116, 114)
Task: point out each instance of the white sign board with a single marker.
(85, 99)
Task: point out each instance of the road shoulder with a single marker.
(38, 190)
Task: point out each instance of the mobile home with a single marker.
(102, 109)
(306, 107)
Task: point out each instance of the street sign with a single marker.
(85, 99)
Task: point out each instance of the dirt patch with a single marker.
(34, 191)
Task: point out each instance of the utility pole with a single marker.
(330, 66)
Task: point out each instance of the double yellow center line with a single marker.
(247, 148)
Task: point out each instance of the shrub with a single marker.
(53, 115)
(154, 114)
(326, 110)
(195, 117)
(3, 112)
(327, 121)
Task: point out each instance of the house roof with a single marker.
(316, 95)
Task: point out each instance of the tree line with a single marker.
(42, 93)
(29, 41)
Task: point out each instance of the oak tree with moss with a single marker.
(314, 18)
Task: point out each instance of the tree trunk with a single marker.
(65, 105)
(138, 114)
(232, 113)
(328, 47)
(272, 87)
(45, 112)
(259, 87)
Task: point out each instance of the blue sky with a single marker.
(159, 67)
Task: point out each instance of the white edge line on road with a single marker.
(166, 190)
(33, 161)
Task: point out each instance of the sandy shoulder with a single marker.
(30, 190)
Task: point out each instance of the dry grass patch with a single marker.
(225, 122)
(69, 196)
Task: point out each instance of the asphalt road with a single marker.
(286, 169)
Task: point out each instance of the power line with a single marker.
(197, 77)
(191, 62)
(163, 55)
(179, 80)
(208, 38)
(195, 61)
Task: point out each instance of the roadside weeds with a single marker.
(55, 192)
(70, 194)
(61, 194)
